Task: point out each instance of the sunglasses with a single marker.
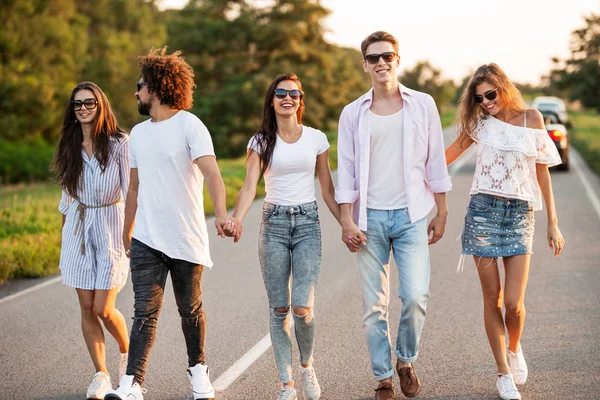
(295, 94)
(387, 57)
(140, 84)
(89, 104)
(490, 95)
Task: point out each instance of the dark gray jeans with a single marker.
(149, 269)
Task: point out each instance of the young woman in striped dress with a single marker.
(93, 170)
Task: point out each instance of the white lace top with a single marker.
(506, 158)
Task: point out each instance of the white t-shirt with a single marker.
(387, 189)
(170, 215)
(290, 180)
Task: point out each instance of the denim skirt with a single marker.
(497, 227)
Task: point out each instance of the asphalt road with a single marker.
(43, 355)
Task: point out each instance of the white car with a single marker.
(553, 104)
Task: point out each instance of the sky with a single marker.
(457, 36)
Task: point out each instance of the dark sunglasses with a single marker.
(295, 94)
(140, 84)
(490, 95)
(387, 57)
(90, 104)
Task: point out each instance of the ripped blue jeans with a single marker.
(149, 269)
(289, 248)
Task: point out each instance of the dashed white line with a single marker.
(241, 365)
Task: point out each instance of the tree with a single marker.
(426, 78)
(579, 76)
(236, 49)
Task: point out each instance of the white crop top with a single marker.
(506, 158)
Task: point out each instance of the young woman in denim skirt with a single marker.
(287, 153)
(514, 152)
(93, 170)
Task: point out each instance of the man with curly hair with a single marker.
(171, 155)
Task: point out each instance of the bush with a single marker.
(25, 161)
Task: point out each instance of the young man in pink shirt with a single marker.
(391, 172)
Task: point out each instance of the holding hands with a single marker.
(352, 236)
(232, 227)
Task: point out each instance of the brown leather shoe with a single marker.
(409, 383)
(384, 391)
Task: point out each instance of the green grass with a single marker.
(586, 137)
(448, 117)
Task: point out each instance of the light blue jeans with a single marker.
(289, 248)
(391, 230)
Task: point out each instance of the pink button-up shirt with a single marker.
(425, 169)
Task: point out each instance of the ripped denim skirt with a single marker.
(497, 227)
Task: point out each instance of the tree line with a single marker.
(235, 47)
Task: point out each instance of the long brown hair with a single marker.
(470, 112)
(266, 137)
(68, 160)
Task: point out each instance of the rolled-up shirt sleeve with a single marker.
(438, 178)
(65, 202)
(346, 190)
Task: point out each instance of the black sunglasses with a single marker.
(89, 104)
(490, 95)
(295, 94)
(140, 84)
(388, 56)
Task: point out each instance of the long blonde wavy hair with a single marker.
(470, 112)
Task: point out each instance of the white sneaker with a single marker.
(99, 386)
(122, 365)
(287, 393)
(127, 390)
(200, 379)
(518, 366)
(506, 388)
(312, 389)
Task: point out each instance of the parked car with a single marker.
(560, 136)
(553, 104)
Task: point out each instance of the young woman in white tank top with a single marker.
(287, 154)
(511, 177)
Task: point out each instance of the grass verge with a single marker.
(586, 137)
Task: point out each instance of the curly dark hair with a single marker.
(169, 77)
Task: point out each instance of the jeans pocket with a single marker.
(266, 215)
(479, 206)
(525, 207)
(312, 214)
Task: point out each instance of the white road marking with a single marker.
(241, 365)
(589, 190)
(31, 289)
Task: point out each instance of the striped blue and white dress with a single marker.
(92, 256)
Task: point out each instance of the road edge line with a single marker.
(589, 190)
(30, 289)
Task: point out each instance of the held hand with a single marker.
(127, 245)
(233, 228)
(221, 225)
(555, 239)
(353, 237)
(437, 226)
